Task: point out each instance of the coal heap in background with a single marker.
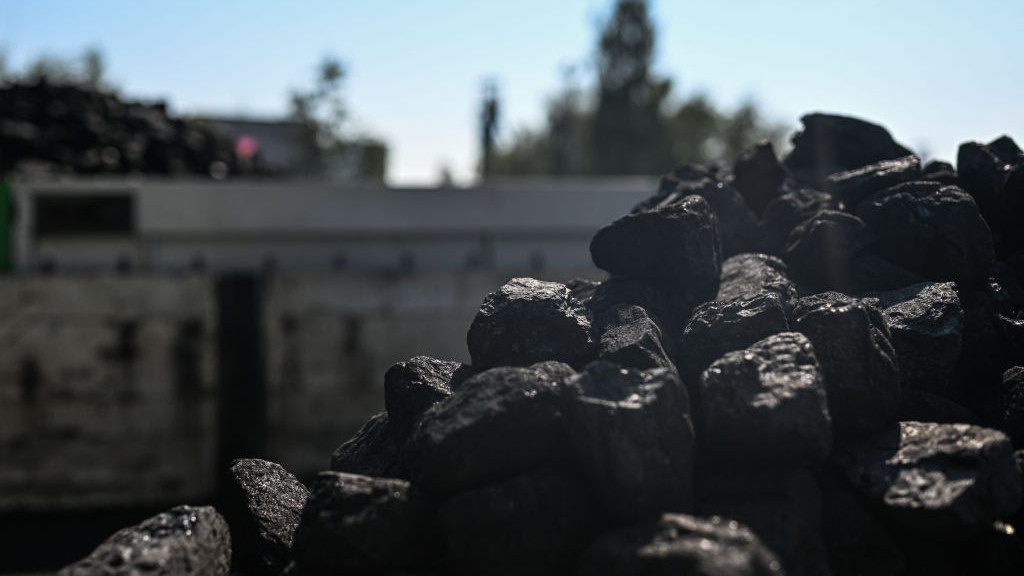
(69, 128)
(813, 366)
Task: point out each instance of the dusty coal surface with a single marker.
(809, 365)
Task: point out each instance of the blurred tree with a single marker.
(326, 140)
(87, 71)
(52, 69)
(558, 149)
(94, 68)
(631, 125)
(629, 134)
(526, 154)
(744, 128)
(322, 112)
(569, 128)
(693, 128)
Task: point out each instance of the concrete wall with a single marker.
(306, 227)
(107, 395)
(108, 384)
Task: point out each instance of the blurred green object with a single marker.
(5, 225)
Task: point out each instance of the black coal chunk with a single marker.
(786, 212)
(412, 386)
(358, 524)
(716, 328)
(926, 322)
(922, 406)
(632, 437)
(872, 272)
(852, 186)
(982, 173)
(1005, 406)
(536, 523)
(856, 541)
(785, 513)
(993, 174)
(939, 171)
(183, 540)
(676, 247)
(380, 447)
(764, 406)
(623, 311)
(1006, 150)
(747, 275)
(758, 175)
(680, 544)
(528, 321)
(938, 479)
(266, 503)
(831, 143)
(853, 345)
(930, 228)
(820, 251)
(993, 339)
(636, 340)
(582, 289)
(503, 422)
(612, 299)
(375, 450)
(737, 224)
(686, 174)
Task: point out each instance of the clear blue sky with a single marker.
(934, 72)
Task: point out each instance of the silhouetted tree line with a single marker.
(322, 112)
(629, 124)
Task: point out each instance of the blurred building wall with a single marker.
(113, 392)
(107, 391)
(171, 226)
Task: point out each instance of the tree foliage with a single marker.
(630, 123)
(88, 70)
(322, 111)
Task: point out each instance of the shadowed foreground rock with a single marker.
(926, 323)
(851, 340)
(680, 544)
(528, 321)
(931, 229)
(632, 435)
(852, 186)
(503, 421)
(186, 540)
(355, 523)
(481, 529)
(945, 479)
(716, 328)
(676, 246)
(747, 275)
(831, 143)
(758, 176)
(411, 387)
(764, 406)
(267, 503)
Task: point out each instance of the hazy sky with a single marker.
(934, 72)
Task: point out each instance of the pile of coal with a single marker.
(85, 131)
(805, 367)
